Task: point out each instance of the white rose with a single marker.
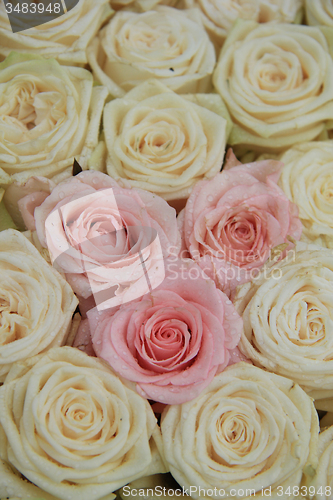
(319, 12)
(218, 16)
(288, 320)
(167, 44)
(249, 430)
(163, 142)
(307, 180)
(49, 114)
(73, 428)
(64, 38)
(321, 487)
(36, 303)
(276, 81)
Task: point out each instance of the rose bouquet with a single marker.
(166, 311)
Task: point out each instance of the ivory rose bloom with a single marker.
(276, 82)
(319, 13)
(233, 222)
(75, 430)
(95, 230)
(218, 16)
(173, 341)
(36, 303)
(164, 142)
(166, 44)
(248, 430)
(321, 486)
(288, 321)
(64, 38)
(307, 180)
(49, 114)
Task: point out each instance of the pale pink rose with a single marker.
(172, 341)
(232, 222)
(87, 224)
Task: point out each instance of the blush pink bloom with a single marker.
(88, 233)
(173, 341)
(232, 222)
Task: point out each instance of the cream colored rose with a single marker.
(307, 180)
(249, 430)
(319, 12)
(64, 38)
(163, 142)
(49, 114)
(218, 16)
(288, 320)
(321, 486)
(167, 44)
(36, 303)
(276, 81)
(73, 428)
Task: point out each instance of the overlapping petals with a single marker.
(166, 44)
(75, 429)
(36, 303)
(48, 115)
(173, 341)
(321, 486)
(87, 223)
(288, 320)
(307, 180)
(163, 142)
(247, 431)
(232, 222)
(319, 13)
(276, 82)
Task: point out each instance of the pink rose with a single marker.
(173, 341)
(232, 222)
(101, 235)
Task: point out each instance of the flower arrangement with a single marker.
(166, 236)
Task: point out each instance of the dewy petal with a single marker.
(173, 341)
(232, 222)
(81, 215)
